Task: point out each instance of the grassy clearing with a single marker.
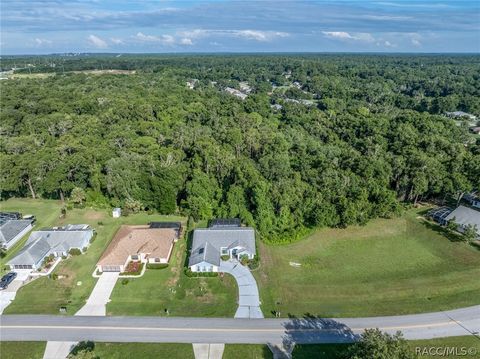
(143, 350)
(22, 350)
(390, 266)
(171, 289)
(50, 294)
(337, 351)
(247, 351)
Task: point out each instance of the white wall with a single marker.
(195, 268)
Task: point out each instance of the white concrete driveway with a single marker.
(248, 298)
(8, 295)
(95, 306)
(100, 296)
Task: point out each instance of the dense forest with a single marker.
(350, 137)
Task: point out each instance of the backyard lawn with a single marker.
(77, 283)
(171, 289)
(390, 266)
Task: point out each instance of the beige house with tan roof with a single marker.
(144, 243)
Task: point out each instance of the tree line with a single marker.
(374, 138)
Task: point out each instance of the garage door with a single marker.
(111, 268)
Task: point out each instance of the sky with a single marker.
(164, 26)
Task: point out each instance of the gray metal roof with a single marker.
(465, 216)
(41, 243)
(11, 228)
(213, 239)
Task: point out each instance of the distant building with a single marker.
(473, 199)
(117, 212)
(461, 114)
(223, 238)
(464, 217)
(236, 93)
(191, 83)
(245, 87)
(57, 241)
(276, 107)
(12, 228)
(475, 129)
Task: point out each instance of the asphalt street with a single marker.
(458, 322)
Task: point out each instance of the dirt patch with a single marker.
(94, 215)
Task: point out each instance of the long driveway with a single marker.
(248, 298)
(95, 306)
(464, 321)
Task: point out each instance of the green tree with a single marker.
(374, 344)
(78, 196)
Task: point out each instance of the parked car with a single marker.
(7, 279)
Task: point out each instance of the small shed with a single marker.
(117, 212)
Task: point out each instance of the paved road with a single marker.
(248, 298)
(464, 321)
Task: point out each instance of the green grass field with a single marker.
(247, 351)
(22, 350)
(390, 266)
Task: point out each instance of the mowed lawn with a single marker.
(77, 283)
(388, 267)
(170, 289)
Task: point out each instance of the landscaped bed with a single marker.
(390, 266)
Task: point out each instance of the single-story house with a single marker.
(461, 114)
(57, 241)
(12, 228)
(144, 243)
(465, 216)
(473, 199)
(222, 238)
(475, 129)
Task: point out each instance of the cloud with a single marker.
(416, 42)
(256, 35)
(116, 41)
(42, 42)
(342, 35)
(97, 42)
(163, 39)
(186, 41)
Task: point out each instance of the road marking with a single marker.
(223, 329)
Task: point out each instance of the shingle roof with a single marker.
(226, 237)
(138, 239)
(40, 243)
(466, 216)
(11, 228)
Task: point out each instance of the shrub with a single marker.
(125, 281)
(74, 252)
(133, 268)
(254, 263)
(157, 265)
(83, 346)
(54, 276)
(191, 274)
(225, 257)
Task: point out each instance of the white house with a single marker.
(12, 230)
(211, 244)
(465, 216)
(57, 241)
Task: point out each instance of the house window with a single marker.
(134, 257)
(224, 251)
